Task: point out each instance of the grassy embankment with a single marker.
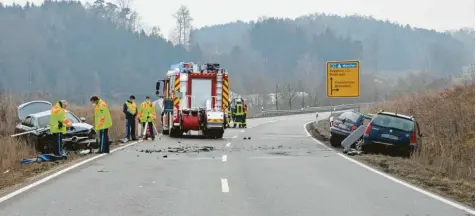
(13, 150)
(446, 163)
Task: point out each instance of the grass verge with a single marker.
(446, 164)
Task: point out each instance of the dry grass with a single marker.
(446, 163)
(447, 121)
(13, 150)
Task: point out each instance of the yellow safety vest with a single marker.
(131, 107)
(239, 110)
(58, 114)
(102, 116)
(147, 109)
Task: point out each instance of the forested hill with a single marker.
(72, 51)
(381, 45)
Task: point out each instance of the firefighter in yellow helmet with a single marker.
(102, 122)
(58, 124)
(147, 116)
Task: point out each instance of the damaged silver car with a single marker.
(34, 117)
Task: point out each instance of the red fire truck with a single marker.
(195, 98)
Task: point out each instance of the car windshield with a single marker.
(394, 122)
(45, 120)
(349, 117)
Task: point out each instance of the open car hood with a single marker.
(32, 107)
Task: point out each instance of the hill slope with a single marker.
(385, 46)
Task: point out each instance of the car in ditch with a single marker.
(33, 127)
(344, 124)
(392, 130)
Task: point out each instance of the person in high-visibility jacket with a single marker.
(130, 110)
(58, 124)
(238, 115)
(228, 117)
(147, 116)
(245, 111)
(102, 122)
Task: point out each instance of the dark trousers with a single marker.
(150, 127)
(131, 129)
(58, 143)
(103, 141)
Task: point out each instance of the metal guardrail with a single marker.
(273, 113)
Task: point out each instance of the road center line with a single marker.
(242, 131)
(223, 158)
(234, 137)
(224, 186)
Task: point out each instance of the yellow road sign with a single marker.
(343, 79)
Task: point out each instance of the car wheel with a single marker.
(334, 140)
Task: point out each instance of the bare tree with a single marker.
(155, 31)
(184, 25)
(123, 4)
(290, 94)
(308, 71)
(277, 95)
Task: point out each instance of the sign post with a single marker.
(343, 79)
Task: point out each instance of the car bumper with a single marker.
(371, 143)
(338, 132)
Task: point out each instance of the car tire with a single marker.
(334, 140)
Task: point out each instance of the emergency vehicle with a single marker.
(195, 100)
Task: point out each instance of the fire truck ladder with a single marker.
(219, 92)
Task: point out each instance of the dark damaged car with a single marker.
(34, 117)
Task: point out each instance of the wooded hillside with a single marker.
(71, 51)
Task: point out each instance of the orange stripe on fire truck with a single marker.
(225, 92)
(176, 89)
(215, 120)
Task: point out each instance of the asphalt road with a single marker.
(279, 171)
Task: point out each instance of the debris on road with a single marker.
(352, 152)
(103, 171)
(179, 149)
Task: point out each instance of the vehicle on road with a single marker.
(392, 130)
(344, 124)
(198, 96)
(34, 117)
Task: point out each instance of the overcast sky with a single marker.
(440, 15)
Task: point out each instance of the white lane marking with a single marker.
(47, 178)
(223, 158)
(318, 142)
(224, 186)
(228, 144)
(242, 131)
(234, 137)
(399, 181)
